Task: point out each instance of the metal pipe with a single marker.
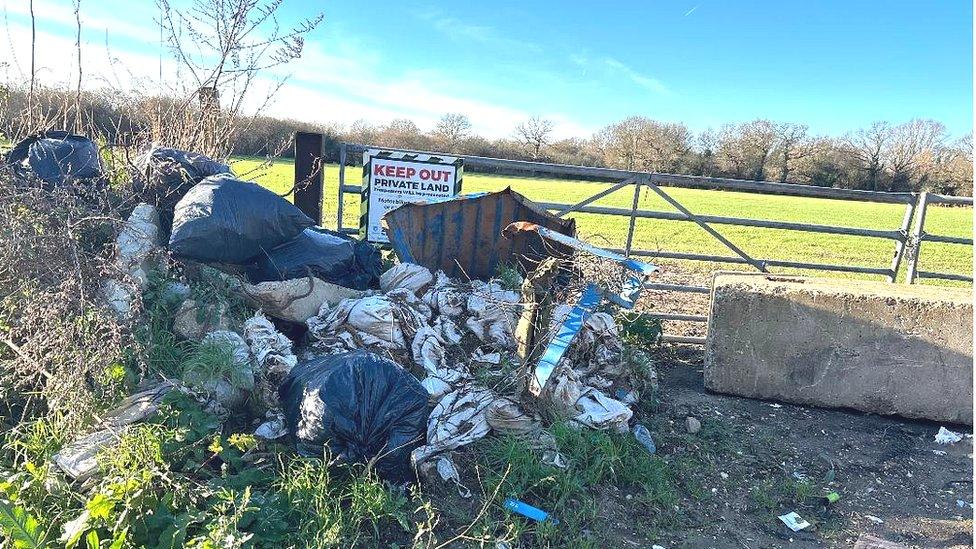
(692, 340)
(745, 222)
(946, 239)
(663, 287)
(677, 316)
(769, 262)
(597, 196)
(943, 276)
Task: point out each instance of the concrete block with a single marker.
(872, 346)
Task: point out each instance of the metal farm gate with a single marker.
(906, 238)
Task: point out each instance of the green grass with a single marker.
(687, 237)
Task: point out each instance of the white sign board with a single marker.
(392, 178)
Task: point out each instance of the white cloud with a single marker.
(462, 31)
(646, 82)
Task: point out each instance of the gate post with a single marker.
(915, 240)
(309, 166)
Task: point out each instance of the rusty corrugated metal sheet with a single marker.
(463, 236)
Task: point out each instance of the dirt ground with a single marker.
(894, 480)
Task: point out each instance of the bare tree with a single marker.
(790, 141)
(224, 46)
(867, 147)
(534, 133)
(452, 129)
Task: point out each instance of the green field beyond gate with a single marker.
(681, 236)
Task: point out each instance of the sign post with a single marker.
(392, 178)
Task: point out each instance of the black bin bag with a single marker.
(162, 175)
(226, 220)
(360, 405)
(328, 255)
(56, 157)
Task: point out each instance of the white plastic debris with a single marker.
(406, 275)
(794, 522)
(599, 411)
(271, 349)
(874, 519)
(945, 436)
(79, 458)
(449, 472)
(272, 429)
(436, 387)
(299, 299)
(458, 419)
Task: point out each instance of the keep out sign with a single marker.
(392, 180)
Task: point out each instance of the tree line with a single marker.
(915, 155)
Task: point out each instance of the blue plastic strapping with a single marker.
(565, 334)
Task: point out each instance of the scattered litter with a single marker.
(830, 498)
(643, 436)
(364, 407)
(564, 335)
(208, 225)
(945, 436)
(627, 397)
(327, 255)
(553, 458)
(874, 519)
(692, 425)
(529, 511)
(940, 452)
(962, 504)
(794, 522)
(271, 349)
(462, 238)
(775, 405)
(299, 299)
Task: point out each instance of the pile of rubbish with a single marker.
(396, 367)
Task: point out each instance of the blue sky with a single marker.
(835, 65)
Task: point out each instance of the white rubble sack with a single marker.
(494, 313)
(428, 352)
(134, 245)
(444, 298)
(273, 428)
(458, 419)
(271, 349)
(406, 275)
(79, 458)
(298, 299)
(389, 321)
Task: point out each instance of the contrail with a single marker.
(689, 12)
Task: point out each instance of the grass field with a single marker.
(684, 236)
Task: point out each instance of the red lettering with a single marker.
(425, 174)
(377, 169)
(401, 172)
(390, 171)
(411, 172)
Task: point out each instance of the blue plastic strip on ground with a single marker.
(399, 247)
(565, 334)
